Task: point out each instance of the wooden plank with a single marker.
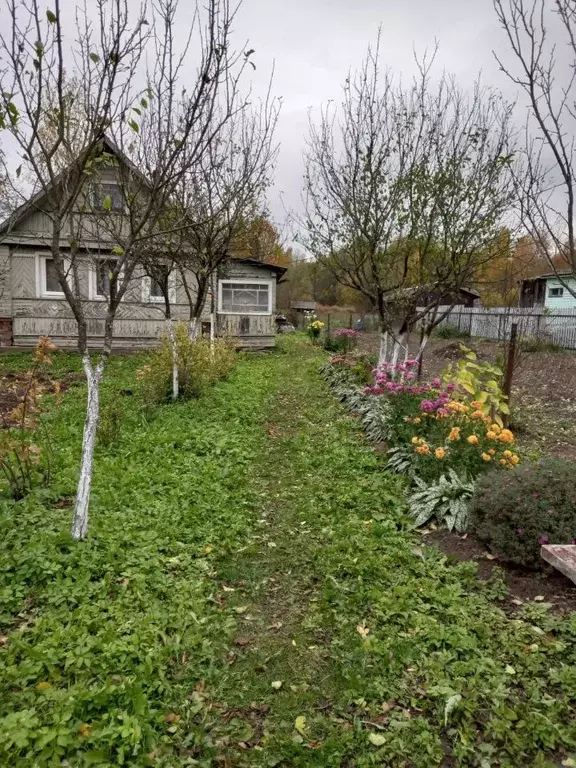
(562, 557)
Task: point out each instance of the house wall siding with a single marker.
(567, 301)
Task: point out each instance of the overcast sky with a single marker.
(313, 43)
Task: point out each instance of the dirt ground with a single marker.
(543, 398)
(13, 387)
(525, 585)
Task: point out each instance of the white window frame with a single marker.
(93, 294)
(559, 295)
(41, 291)
(147, 298)
(245, 281)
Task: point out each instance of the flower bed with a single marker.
(441, 434)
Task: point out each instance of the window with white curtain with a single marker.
(249, 297)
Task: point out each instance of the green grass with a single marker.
(246, 539)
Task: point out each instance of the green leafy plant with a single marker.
(450, 332)
(446, 500)
(516, 512)
(199, 365)
(111, 421)
(480, 382)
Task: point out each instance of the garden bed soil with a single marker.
(525, 585)
(13, 388)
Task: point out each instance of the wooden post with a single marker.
(328, 326)
(350, 320)
(507, 388)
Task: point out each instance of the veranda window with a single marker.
(244, 298)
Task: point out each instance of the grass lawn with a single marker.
(251, 595)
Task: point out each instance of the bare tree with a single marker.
(163, 124)
(546, 72)
(404, 188)
(224, 188)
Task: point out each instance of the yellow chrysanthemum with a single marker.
(486, 457)
(472, 439)
(477, 404)
(491, 435)
(417, 420)
(454, 433)
(477, 415)
(506, 436)
(507, 454)
(491, 451)
(440, 453)
(415, 440)
(495, 428)
(515, 459)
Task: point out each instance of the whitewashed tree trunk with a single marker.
(383, 353)
(194, 325)
(175, 371)
(212, 321)
(399, 343)
(93, 377)
(423, 344)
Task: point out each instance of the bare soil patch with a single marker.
(525, 585)
(13, 387)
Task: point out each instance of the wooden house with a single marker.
(552, 290)
(32, 303)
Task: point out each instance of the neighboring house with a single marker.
(32, 303)
(549, 291)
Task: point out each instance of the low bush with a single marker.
(341, 340)
(515, 513)
(450, 332)
(197, 366)
(534, 344)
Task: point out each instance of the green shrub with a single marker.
(111, 420)
(197, 367)
(516, 512)
(534, 344)
(450, 332)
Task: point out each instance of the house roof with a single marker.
(106, 145)
(264, 264)
(548, 275)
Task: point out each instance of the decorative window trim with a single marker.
(147, 285)
(245, 281)
(93, 294)
(41, 291)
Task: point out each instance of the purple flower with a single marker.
(410, 390)
(411, 363)
(443, 411)
(377, 390)
(427, 406)
(550, 511)
(410, 376)
(520, 531)
(390, 385)
(436, 383)
(451, 387)
(543, 539)
(536, 495)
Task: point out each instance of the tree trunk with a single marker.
(93, 377)
(383, 353)
(212, 321)
(175, 371)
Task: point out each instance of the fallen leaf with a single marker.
(363, 630)
(539, 599)
(277, 684)
(84, 730)
(377, 739)
(490, 556)
(300, 724)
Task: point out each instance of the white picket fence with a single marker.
(556, 326)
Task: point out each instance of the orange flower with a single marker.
(514, 459)
(491, 435)
(454, 433)
(477, 415)
(417, 420)
(495, 428)
(491, 451)
(423, 450)
(506, 436)
(440, 453)
(503, 462)
(507, 454)
(486, 457)
(472, 439)
(477, 404)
